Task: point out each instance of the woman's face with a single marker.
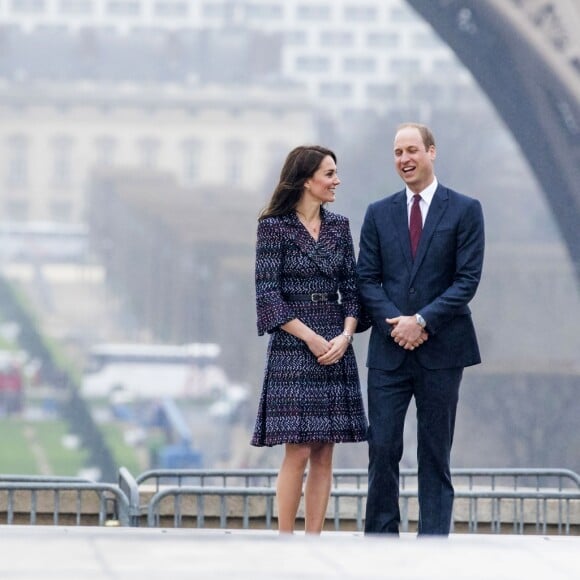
(321, 186)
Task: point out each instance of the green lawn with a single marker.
(16, 456)
(36, 447)
(123, 454)
(28, 445)
(62, 460)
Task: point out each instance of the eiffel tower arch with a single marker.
(525, 55)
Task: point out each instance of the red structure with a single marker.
(11, 386)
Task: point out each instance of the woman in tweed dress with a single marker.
(311, 396)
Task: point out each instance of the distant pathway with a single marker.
(38, 451)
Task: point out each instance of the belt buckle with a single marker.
(318, 297)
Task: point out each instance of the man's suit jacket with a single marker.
(438, 284)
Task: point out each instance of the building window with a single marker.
(465, 93)
(296, 37)
(62, 147)
(402, 14)
(313, 12)
(16, 210)
(361, 13)
(429, 91)
(76, 7)
(405, 65)
(61, 211)
(359, 65)
(339, 38)
(192, 161)
(28, 5)
(171, 9)
(265, 11)
(382, 39)
(425, 40)
(277, 152)
(234, 158)
(312, 64)
(105, 149)
(148, 152)
(382, 91)
(336, 90)
(123, 8)
(446, 67)
(17, 162)
(215, 10)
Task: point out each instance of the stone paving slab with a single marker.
(87, 553)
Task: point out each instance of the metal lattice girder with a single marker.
(525, 55)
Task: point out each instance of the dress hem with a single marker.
(362, 439)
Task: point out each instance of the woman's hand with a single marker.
(327, 352)
(338, 346)
(318, 345)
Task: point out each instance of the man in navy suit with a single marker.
(419, 265)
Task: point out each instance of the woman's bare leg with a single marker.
(318, 485)
(289, 485)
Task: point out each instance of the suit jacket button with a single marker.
(411, 290)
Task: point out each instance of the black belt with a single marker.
(314, 297)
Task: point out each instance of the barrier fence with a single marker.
(517, 501)
(66, 501)
(514, 478)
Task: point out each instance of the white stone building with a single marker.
(53, 136)
(214, 92)
(350, 54)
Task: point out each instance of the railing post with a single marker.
(128, 485)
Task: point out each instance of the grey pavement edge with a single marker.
(91, 553)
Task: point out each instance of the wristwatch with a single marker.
(420, 321)
(347, 335)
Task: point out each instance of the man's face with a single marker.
(413, 163)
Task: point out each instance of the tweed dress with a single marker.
(302, 401)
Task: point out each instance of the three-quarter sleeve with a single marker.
(348, 288)
(272, 310)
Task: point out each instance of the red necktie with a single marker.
(415, 224)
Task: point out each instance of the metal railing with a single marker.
(203, 477)
(28, 500)
(530, 510)
(11, 477)
(486, 500)
(535, 516)
(128, 485)
(515, 478)
(494, 499)
(202, 495)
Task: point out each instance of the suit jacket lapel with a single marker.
(401, 223)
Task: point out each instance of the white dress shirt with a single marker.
(426, 198)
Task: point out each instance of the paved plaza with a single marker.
(84, 553)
